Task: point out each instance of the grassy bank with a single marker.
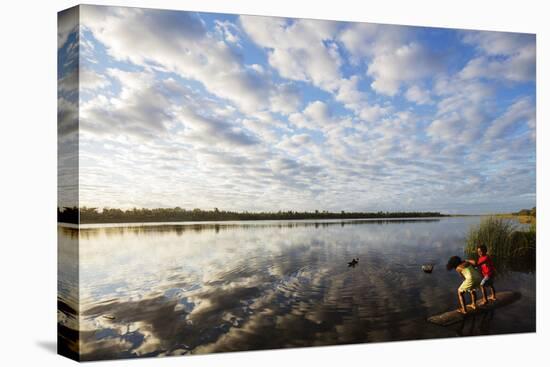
(523, 219)
(511, 247)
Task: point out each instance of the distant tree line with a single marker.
(177, 214)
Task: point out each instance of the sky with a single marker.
(203, 110)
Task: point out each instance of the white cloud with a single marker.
(374, 112)
(349, 93)
(151, 109)
(318, 111)
(356, 100)
(91, 80)
(68, 82)
(297, 48)
(262, 129)
(463, 112)
(468, 126)
(211, 130)
(228, 30)
(285, 99)
(367, 40)
(67, 117)
(316, 115)
(140, 36)
(498, 43)
(519, 115)
(508, 56)
(447, 128)
(67, 23)
(418, 95)
(404, 64)
(243, 138)
(391, 53)
(140, 108)
(295, 143)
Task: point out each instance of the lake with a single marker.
(193, 288)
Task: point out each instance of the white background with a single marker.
(28, 182)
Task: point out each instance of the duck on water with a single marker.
(353, 262)
(427, 268)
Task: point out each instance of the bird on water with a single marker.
(428, 268)
(353, 262)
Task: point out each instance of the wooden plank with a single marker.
(453, 317)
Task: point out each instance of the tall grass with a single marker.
(509, 246)
(493, 232)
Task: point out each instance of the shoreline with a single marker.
(89, 225)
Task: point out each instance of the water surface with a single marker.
(170, 289)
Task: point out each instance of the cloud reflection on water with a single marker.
(161, 291)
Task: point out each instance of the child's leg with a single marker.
(462, 308)
(483, 292)
(483, 295)
(489, 283)
(473, 296)
(493, 293)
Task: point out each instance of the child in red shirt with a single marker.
(487, 270)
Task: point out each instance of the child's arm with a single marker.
(482, 262)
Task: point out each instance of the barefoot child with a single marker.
(472, 280)
(487, 270)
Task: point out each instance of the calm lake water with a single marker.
(175, 289)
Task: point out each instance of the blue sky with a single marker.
(236, 112)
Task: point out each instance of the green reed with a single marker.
(511, 247)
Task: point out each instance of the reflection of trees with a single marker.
(522, 264)
(180, 229)
(293, 290)
(177, 214)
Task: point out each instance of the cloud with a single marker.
(67, 110)
(67, 117)
(463, 112)
(365, 40)
(67, 82)
(349, 94)
(285, 99)
(374, 112)
(295, 143)
(356, 100)
(392, 53)
(298, 49)
(229, 31)
(212, 130)
(469, 129)
(148, 108)
(505, 56)
(498, 43)
(418, 95)
(67, 23)
(263, 129)
(519, 116)
(404, 64)
(141, 109)
(316, 115)
(317, 111)
(90, 80)
(234, 113)
(177, 42)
